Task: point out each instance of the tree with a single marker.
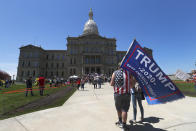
(4, 75)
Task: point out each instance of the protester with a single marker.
(99, 82)
(82, 83)
(78, 83)
(50, 82)
(29, 86)
(137, 95)
(95, 83)
(122, 81)
(6, 83)
(41, 85)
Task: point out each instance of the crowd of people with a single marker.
(94, 79)
(6, 83)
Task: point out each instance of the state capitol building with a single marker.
(87, 53)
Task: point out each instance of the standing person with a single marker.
(41, 85)
(82, 83)
(99, 82)
(78, 83)
(194, 78)
(50, 82)
(122, 81)
(137, 96)
(95, 83)
(6, 84)
(29, 86)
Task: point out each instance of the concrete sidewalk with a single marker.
(93, 110)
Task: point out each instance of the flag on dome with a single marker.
(156, 85)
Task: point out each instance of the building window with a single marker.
(86, 60)
(86, 49)
(52, 56)
(46, 74)
(51, 65)
(46, 65)
(57, 65)
(62, 65)
(57, 73)
(33, 73)
(35, 64)
(30, 54)
(71, 61)
(51, 73)
(23, 64)
(22, 73)
(28, 73)
(58, 57)
(29, 64)
(74, 71)
(62, 74)
(46, 57)
(74, 60)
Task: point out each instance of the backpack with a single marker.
(119, 78)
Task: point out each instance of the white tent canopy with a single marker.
(73, 77)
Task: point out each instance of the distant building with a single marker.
(88, 53)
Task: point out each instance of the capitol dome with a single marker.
(90, 27)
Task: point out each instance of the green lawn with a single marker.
(186, 88)
(11, 101)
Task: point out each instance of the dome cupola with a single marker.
(90, 27)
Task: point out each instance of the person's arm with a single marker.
(112, 80)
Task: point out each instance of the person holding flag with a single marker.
(122, 81)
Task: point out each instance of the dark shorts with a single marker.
(122, 102)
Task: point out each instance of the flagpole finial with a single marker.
(134, 38)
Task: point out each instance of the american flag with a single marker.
(121, 82)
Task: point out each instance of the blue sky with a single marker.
(166, 26)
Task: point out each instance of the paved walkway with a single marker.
(93, 110)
